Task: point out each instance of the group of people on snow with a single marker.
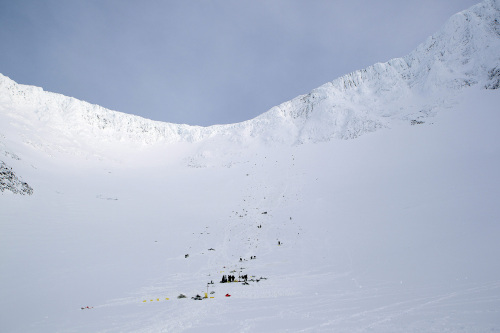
(251, 257)
(229, 278)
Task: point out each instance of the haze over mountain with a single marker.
(381, 186)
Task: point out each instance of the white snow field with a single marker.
(382, 187)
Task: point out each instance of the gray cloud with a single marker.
(205, 62)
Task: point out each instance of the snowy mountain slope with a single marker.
(396, 231)
(464, 52)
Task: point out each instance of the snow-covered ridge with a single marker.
(465, 52)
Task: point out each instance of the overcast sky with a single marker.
(205, 62)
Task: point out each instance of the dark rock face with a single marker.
(9, 181)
